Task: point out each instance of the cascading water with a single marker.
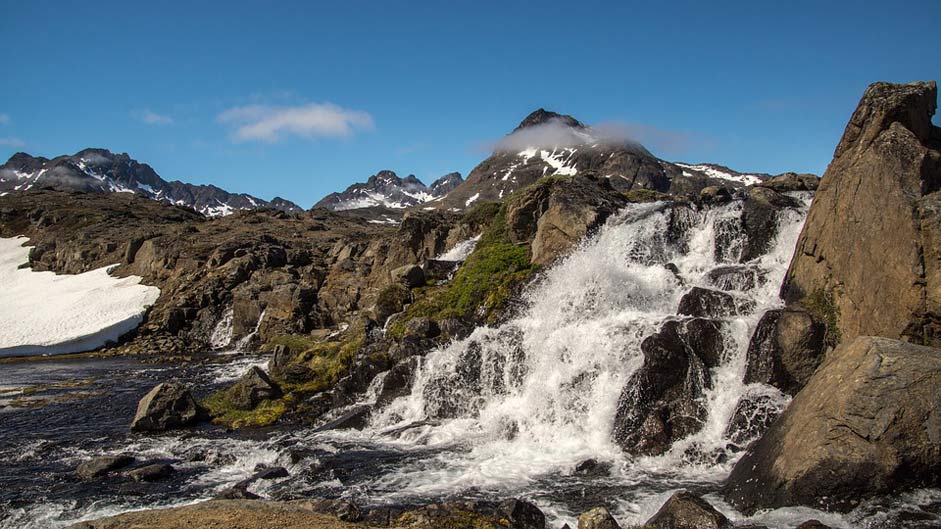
(537, 395)
(222, 333)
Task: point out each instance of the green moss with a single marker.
(481, 214)
(266, 413)
(296, 343)
(640, 194)
(822, 305)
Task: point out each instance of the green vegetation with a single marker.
(296, 343)
(266, 413)
(821, 304)
(481, 214)
(640, 194)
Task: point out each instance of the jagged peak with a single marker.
(542, 116)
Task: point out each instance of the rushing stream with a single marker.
(508, 411)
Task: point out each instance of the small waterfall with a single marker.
(538, 394)
(244, 342)
(221, 335)
(460, 251)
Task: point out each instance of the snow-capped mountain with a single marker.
(101, 171)
(386, 189)
(546, 143)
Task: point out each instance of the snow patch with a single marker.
(712, 172)
(471, 200)
(45, 313)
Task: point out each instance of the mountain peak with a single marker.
(542, 116)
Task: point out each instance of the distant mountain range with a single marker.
(388, 190)
(101, 171)
(543, 144)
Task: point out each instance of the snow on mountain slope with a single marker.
(45, 313)
(101, 171)
(386, 189)
(723, 173)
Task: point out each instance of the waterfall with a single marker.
(538, 394)
(244, 342)
(222, 333)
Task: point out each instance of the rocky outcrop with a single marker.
(557, 213)
(152, 472)
(99, 466)
(597, 518)
(867, 422)
(685, 510)
(868, 260)
(168, 405)
(785, 349)
(252, 388)
(387, 190)
(787, 182)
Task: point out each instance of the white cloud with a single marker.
(272, 123)
(555, 133)
(4, 119)
(151, 118)
(11, 142)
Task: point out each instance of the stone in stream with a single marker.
(154, 472)
(168, 405)
(592, 467)
(685, 510)
(707, 303)
(99, 466)
(785, 350)
(597, 518)
(271, 473)
(813, 524)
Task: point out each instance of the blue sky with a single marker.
(301, 99)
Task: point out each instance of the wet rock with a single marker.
(522, 514)
(736, 277)
(252, 388)
(455, 328)
(168, 405)
(510, 514)
(866, 423)
(396, 382)
(868, 253)
(662, 402)
(597, 518)
(354, 419)
(283, 367)
(410, 276)
(592, 467)
(102, 465)
(344, 510)
(706, 303)
(685, 510)
(760, 220)
(154, 472)
(237, 492)
(753, 414)
(785, 350)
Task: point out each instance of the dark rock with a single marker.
(154, 472)
(271, 473)
(410, 276)
(237, 492)
(168, 405)
(522, 514)
(102, 465)
(753, 414)
(283, 367)
(786, 182)
(715, 195)
(252, 388)
(396, 382)
(354, 419)
(760, 220)
(455, 328)
(685, 510)
(785, 350)
(866, 423)
(813, 524)
(707, 303)
(592, 467)
(662, 401)
(597, 518)
(344, 510)
(421, 328)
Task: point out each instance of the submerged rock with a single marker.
(168, 405)
(597, 518)
(102, 465)
(868, 422)
(154, 472)
(685, 510)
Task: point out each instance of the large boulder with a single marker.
(760, 214)
(785, 349)
(707, 303)
(785, 182)
(168, 405)
(556, 213)
(252, 388)
(868, 422)
(597, 518)
(99, 466)
(868, 259)
(685, 510)
(662, 401)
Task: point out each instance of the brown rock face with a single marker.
(869, 255)
(685, 510)
(868, 422)
(785, 350)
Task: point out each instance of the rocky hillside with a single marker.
(101, 171)
(550, 144)
(386, 190)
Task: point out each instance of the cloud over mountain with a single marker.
(314, 120)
